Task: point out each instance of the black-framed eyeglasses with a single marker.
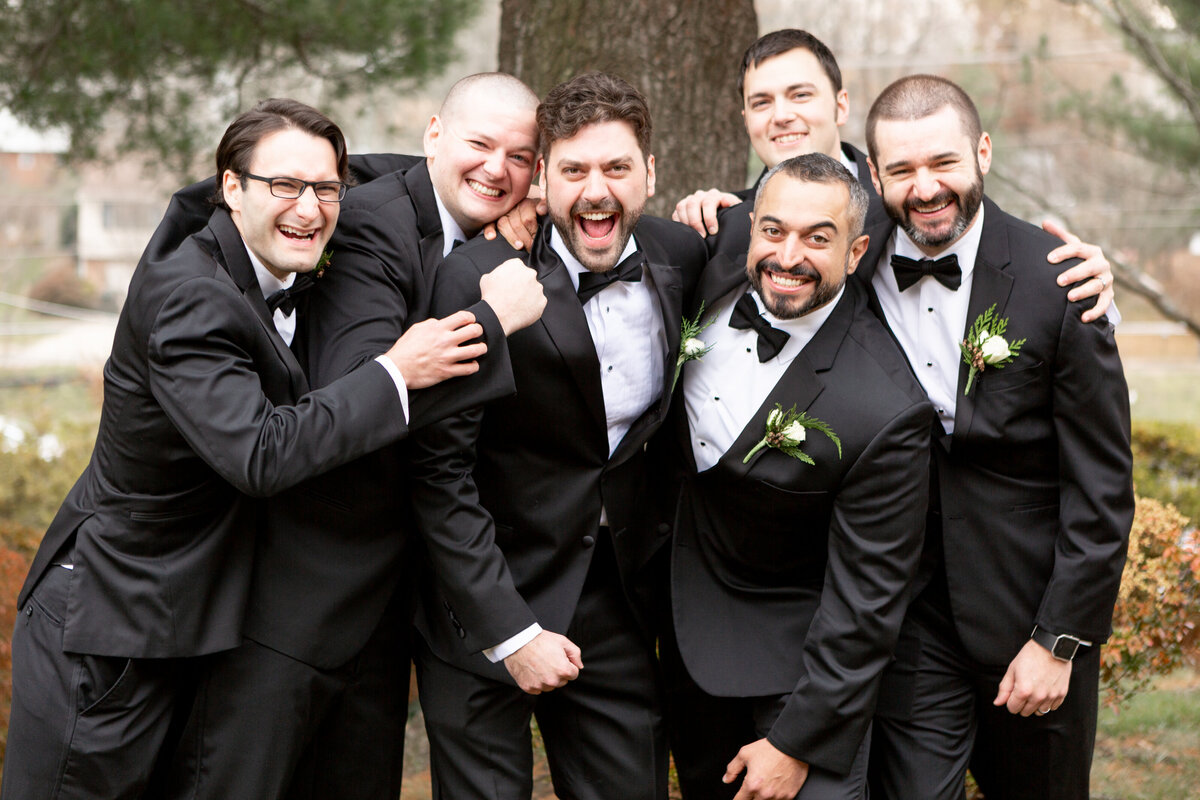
(292, 188)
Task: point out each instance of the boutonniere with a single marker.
(786, 432)
(691, 346)
(985, 345)
(323, 264)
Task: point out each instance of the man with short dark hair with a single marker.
(314, 702)
(147, 565)
(793, 102)
(528, 504)
(797, 498)
(1031, 499)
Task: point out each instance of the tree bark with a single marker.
(683, 55)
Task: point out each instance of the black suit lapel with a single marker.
(800, 385)
(989, 284)
(236, 261)
(721, 276)
(429, 223)
(564, 322)
(668, 290)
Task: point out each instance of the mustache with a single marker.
(941, 198)
(585, 206)
(798, 271)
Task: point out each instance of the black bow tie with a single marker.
(944, 270)
(745, 316)
(285, 299)
(628, 270)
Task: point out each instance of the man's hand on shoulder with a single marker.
(1036, 681)
(437, 349)
(770, 773)
(513, 292)
(1094, 270)
(699, 209)
(518, 226)
(545, 663)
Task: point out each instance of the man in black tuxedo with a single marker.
(1032, 500)
(147, 565)
(528, 504)
(793, 102)
(314, 703)
(790, 576)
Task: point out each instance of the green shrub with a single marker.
(1166, 464)
(1158, 605)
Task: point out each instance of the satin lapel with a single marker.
(237, 263)
(880, 235)
(990, 284)
(668, 286)
(800, 385)
(565, 324)
(721, 276)
(668, 289)
(429, 224)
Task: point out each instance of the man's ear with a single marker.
(858, 249)
(231, 190)
(650, 176)
(432, 131)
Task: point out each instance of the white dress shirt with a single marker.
(451, 232)
(928, 319)
(629, 336)
(723, 389)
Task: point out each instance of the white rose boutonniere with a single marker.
(787, 430)
(691, 346)
(985, 345)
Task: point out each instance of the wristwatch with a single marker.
(1062, 646)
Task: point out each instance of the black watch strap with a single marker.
(1062, 646)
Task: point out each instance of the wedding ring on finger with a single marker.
(1041, 713)
(1103, 281)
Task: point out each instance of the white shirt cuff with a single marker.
(1113, 314)
(512, 644)
(398, 379)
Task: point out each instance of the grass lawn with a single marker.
(1151, 749)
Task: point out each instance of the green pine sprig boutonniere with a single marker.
(786, 432)
(323, 264)
(985, 345)
(691, 346)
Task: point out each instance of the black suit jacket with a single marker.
(509, 495)
(732, 238)
(203, 405)
(332, 552)
(1035, 483)
(792, 579)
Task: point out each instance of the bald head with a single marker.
(499, 87)
(482, 147)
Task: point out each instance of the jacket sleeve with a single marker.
(1091, 420)
(202, 353)
(875, 536)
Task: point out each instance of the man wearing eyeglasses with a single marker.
(313, 704)
(146, 569)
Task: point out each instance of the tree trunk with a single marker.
(682, 54)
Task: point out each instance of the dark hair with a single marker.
(237, 146)
(917, 97)
(820, 168)
(590, 98)
(777, 43)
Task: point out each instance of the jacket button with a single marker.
(664, 528)
(589, 541)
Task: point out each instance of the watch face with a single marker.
(1065, 647)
